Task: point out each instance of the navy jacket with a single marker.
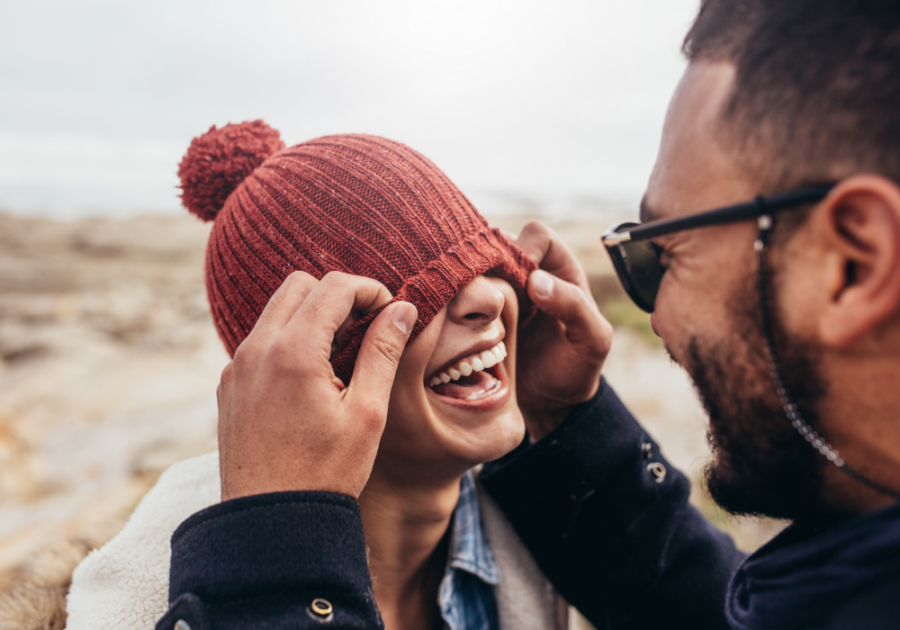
(605, 516)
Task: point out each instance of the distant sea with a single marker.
(76, 178)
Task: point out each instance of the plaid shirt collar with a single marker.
(466, 594)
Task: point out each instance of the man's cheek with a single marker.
(671, 321)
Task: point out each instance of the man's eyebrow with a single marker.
(648, 214)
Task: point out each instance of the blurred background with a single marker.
(108, 358)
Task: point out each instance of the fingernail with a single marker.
(542, 283)
(404, 316)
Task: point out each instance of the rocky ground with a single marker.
(109, 364)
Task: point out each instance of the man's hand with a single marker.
(286, 422)
(562, 349)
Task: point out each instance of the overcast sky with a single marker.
(535, 99)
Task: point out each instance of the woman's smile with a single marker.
(475, 381)
(484, 388)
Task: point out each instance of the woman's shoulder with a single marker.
(125, 582)
(525, 598)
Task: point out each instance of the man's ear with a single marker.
(859, 223)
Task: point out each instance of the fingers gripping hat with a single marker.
(359, 204)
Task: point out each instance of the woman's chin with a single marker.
(452, 434)
(490, 438)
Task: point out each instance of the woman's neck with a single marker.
(406, 525)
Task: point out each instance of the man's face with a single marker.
(707, 313)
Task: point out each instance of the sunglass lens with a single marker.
(642, 272)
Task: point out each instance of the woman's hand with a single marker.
(562, 349)
(286, 422)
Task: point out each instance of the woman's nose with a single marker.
(479, 303)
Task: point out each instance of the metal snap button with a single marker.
(181, 624)
(658, 471)
(322, 608)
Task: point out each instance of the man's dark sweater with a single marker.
(603, 513)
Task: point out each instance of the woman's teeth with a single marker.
(475, 363)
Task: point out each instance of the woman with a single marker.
(440, 553)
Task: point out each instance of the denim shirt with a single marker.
(466, 594)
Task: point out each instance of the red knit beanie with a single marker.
(359, 204)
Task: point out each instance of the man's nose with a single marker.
(479, 303)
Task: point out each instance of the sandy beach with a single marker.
(109, 365)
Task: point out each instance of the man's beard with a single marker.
(761, 465)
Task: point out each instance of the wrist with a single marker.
(541, 423)
(542, 417)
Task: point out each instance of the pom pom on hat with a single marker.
(219, 160)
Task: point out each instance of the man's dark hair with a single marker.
(817, 86)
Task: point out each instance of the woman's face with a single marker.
(453, 404)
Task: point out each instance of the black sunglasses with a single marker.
(636, 259)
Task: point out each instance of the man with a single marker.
(785, 311)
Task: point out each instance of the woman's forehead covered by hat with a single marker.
(359, 204)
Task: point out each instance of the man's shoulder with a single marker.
(877, 608)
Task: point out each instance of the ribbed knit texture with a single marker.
(359, 204)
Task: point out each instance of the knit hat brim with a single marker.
(437, 283)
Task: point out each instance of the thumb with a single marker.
(379, 355)
(569, 304)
